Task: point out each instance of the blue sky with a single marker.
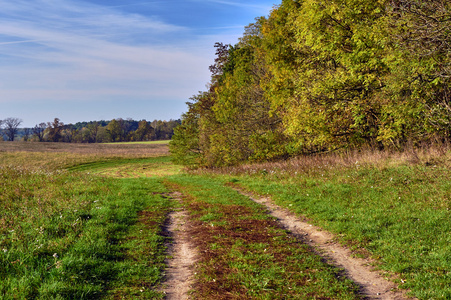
(92, 60)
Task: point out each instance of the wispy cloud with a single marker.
(264, 8)
(89, 46)
(68, 51)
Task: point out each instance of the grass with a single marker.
(396, 209)
(135, 167)
(74, 235)
(165, 142)
(85, 222)
(78, 236)
(246, 254)
(58, 156)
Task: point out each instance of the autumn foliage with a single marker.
(318, 76)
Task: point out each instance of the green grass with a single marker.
(67, 235)
(87, 224)
(399, 215)
(245, 253)
(132, 167)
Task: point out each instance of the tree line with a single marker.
(116, 130)
(318, 76)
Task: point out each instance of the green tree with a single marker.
(419, 84)
(185, 146)
(114, 131)
(92, 132)
(144, 131)
(247, 128)
(340, 80)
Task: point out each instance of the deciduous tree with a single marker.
(144, 131)
(54, 130)
(38, 130)
(11, 126)
(114, 130)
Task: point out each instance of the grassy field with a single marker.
(85, 222)
(245, 252)
(393, 207)
(165, 142)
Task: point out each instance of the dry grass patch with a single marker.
(429, 155)
(63, 155)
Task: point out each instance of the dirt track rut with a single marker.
(179, 272)
(372, 284)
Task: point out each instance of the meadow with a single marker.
(88, 222)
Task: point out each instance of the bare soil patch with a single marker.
(182, 256)
(373, 284)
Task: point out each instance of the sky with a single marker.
(86, 60)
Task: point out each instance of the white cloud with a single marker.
(67, 51)
(254, 5)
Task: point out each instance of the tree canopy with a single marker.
(116, 130)
(319, 76)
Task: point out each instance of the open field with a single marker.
(89, 222)
(165, 142)
(62, 155)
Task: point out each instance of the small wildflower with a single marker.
(5, 250)
(55, 255)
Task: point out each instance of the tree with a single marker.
(93, 129)
(27, 133)
(11, 126)
(54, 130)
(420, 80)
(68, 133)
(114, 130)
(222, 53)
(38, 130)
(247, 130)
(185, 146)
(125, 126)
(144, 131)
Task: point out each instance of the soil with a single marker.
(181, 258)
(373, 285)
(182, 255)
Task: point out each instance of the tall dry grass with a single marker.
(52, 156)
(431, 155)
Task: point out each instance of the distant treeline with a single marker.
(318, 76)
(116, 130)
